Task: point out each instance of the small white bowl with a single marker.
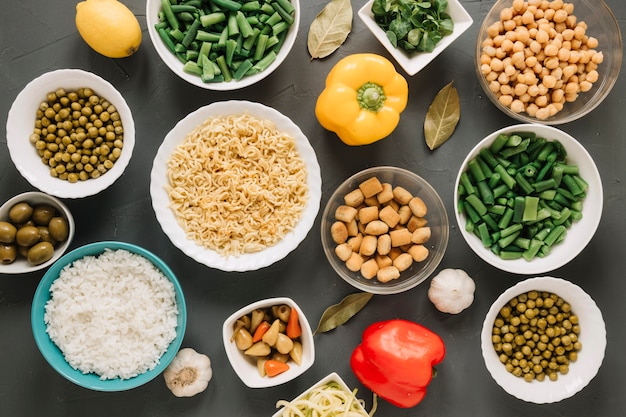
(168, 221)
(21, 265)
(581, 372)
(21, 122)
(413, 63)
(578, 235)
(153, 7)
(333, 377)
(246, 369)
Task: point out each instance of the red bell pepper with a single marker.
(395, 360)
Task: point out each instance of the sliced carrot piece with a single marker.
(293, 325)
(260, 331)
(274, 367)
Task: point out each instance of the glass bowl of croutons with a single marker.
(385, 230)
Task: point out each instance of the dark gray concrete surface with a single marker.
(37, 37)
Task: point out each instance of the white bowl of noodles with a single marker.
(231, 190)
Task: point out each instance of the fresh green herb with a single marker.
(415, 26)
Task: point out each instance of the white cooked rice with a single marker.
(113, 315)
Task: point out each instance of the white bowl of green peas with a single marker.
(223, 44)
(543, 340)
(528, 198)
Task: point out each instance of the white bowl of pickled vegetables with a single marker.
(269, 342)
(241, 43)
(528, 198)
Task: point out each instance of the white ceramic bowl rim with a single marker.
(20, 124)
(21, 265)
(167, 219)
(592, 337)
(581, 232)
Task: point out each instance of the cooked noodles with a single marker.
(325, 401)
(237, 184)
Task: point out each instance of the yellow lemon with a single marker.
(109, 27)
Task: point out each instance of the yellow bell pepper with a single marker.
(362, 99)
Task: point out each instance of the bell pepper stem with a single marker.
(371, 96)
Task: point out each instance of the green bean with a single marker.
(477, 204)
(486, 194)
(228, 4)
(212, 19)
(166, 6)
(467, 183)
(251, 6)
(284, 14)
(484, 234)
(265, 62)
(531, 206)
(477, 173)
(520, 195)
(498, 143)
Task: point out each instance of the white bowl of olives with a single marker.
(543, 340)
(35, 230)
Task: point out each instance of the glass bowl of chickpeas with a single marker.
(543, 340)
(549, 62)
(70, 133)
(385, 230)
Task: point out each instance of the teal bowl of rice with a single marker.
(109, 316)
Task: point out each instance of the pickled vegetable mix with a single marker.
(520, 195)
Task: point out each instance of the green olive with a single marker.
(59, 228)
(40, 253)
(8, 253)
(43, 213)
(27, 236)
(20, 213)
(46, 236)
(7, 232)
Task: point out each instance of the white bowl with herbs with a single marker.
(415, 46)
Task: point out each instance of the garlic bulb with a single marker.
(189, 373)
(452, 291)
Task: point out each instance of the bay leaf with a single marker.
(442, 117)
(338, 314)
(330, 28)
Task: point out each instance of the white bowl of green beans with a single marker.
(223, 44)
(528, 198)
